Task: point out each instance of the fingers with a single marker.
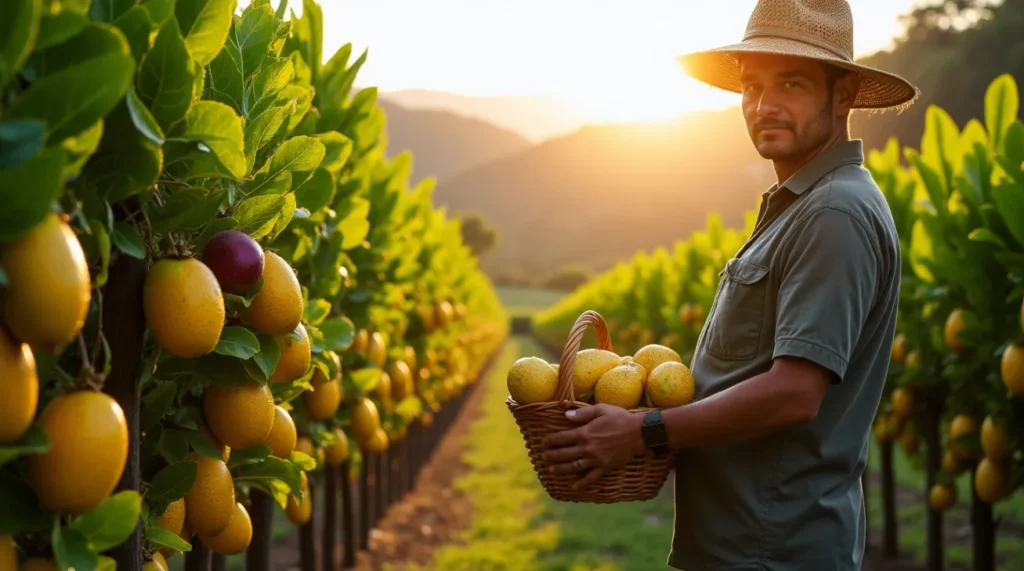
(564, 438)
(563, 454)
(585, 414)
(572, 467)
(590, 479)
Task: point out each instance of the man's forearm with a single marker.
(754, 408)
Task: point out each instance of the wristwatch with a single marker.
(654, 433)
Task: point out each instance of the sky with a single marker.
(616, 60)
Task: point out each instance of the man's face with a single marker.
(786, 104)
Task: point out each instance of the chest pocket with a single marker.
(734, 330)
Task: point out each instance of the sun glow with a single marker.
(612, 62)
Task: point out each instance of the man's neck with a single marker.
(787, 168)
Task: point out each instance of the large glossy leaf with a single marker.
(1009, 199)
(18, 30)
(354, 224)
(338, 149)
(57, 28)
(27, 191)
(266, 85)
(316, 192)
(20, 140)
(109, 10)
(296, 155)
(260, 129)
(219, 129)
(1001, 106)
(110, 523)
(257, 215)
(127, 161)
(136, 27)
(205, 25)
(75, 97)
(940, 145)
(165, 82)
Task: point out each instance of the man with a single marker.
(791, 362)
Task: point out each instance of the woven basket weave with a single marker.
(639, 480)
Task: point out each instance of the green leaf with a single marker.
(237, 341)
(71, 549)
(34, 441)
(298, 154)
(57, 28)
(288, 211)
(338, 150)
(205, 25)
(265, 87)
(1001, 105)
(136, 27)
(27, 192)
(315, 311)
(157, 402)
(126, 162)
(1009, 199)
(338, 333)
(20, 140)
(260, 130)
(252, 37)
(184, 209)
(79, 148)
(355, 225)
(409, 408)
(109, 10)
(317, 192)
(160, 537)
(174, 481)
(143, 119)
(219, 129)
(202, 444)
(173, 445)
(303, 461)
(303, 98)
(110, 523)
(106, 564)
(165, 82)
(127, 239)
(248, 456)
(366, 379)
(102, 239)
(271, 468)
(76, 97)
(159, 11)
(256, 215)
(269, 355)
(20, 511)
(18, 30)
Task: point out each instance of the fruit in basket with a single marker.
(650, 356)
(670, 384)
(531, 380)
(622, 385)
(589, 366)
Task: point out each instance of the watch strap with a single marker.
(654, 433)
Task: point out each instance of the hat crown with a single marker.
(827, 24)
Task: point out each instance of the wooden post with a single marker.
(890, 547)
(200, 557)
(219, 563)
(984, 532)
(257, 557)
(365, 488)
(348, 530)
(329, 540)
(307, 533)
(124, 323)
(933, 465)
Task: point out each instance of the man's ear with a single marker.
(845, 93)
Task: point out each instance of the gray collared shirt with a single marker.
(818, 279)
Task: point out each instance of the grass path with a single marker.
(517, 526)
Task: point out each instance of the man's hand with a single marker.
(609, 438)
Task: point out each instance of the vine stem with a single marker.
(99, 331)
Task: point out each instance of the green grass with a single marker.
(521, 302)
(516, 525)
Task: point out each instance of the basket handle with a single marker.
(564, 392)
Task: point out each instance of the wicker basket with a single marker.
(639, 480)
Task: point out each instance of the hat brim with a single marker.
(720, 68)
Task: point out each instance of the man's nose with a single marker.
(768, 103)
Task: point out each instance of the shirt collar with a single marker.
(847, 153)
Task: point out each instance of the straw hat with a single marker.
(815, 29)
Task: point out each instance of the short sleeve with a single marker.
(828, 279)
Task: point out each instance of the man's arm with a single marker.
(789, 393)
(828, 278)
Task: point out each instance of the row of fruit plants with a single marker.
(202, 166)
(958, 356)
